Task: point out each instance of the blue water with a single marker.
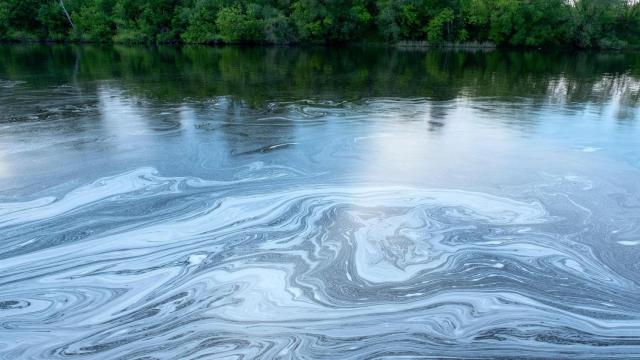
(229, 203)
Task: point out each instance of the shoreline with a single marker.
(399, 45)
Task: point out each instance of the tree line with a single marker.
(527, 23)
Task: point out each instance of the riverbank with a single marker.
(587, 24)
(471, 45)
(403, 45)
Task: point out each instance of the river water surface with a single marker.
(241, 203)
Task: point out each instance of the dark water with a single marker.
(229, 203)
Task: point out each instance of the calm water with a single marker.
(196, 203)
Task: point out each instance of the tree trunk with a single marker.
(73, 26)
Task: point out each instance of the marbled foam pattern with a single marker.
(139, 265)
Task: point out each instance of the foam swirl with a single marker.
(144, 266)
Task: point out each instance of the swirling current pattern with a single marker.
(142, 266)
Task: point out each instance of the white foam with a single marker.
(629, 242)
(591, 149)
(196, 259)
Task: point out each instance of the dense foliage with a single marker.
(581, 23)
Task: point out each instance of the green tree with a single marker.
(54, 23)
(331, 20)
(93, 20)
(24, 21)
(236, 25)
(542, 22)
(399, 19)
(595, 23)
(580, 23)
(4, 20)
(440, 24)
(312, 20)
(201, 23)
(278, 28)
